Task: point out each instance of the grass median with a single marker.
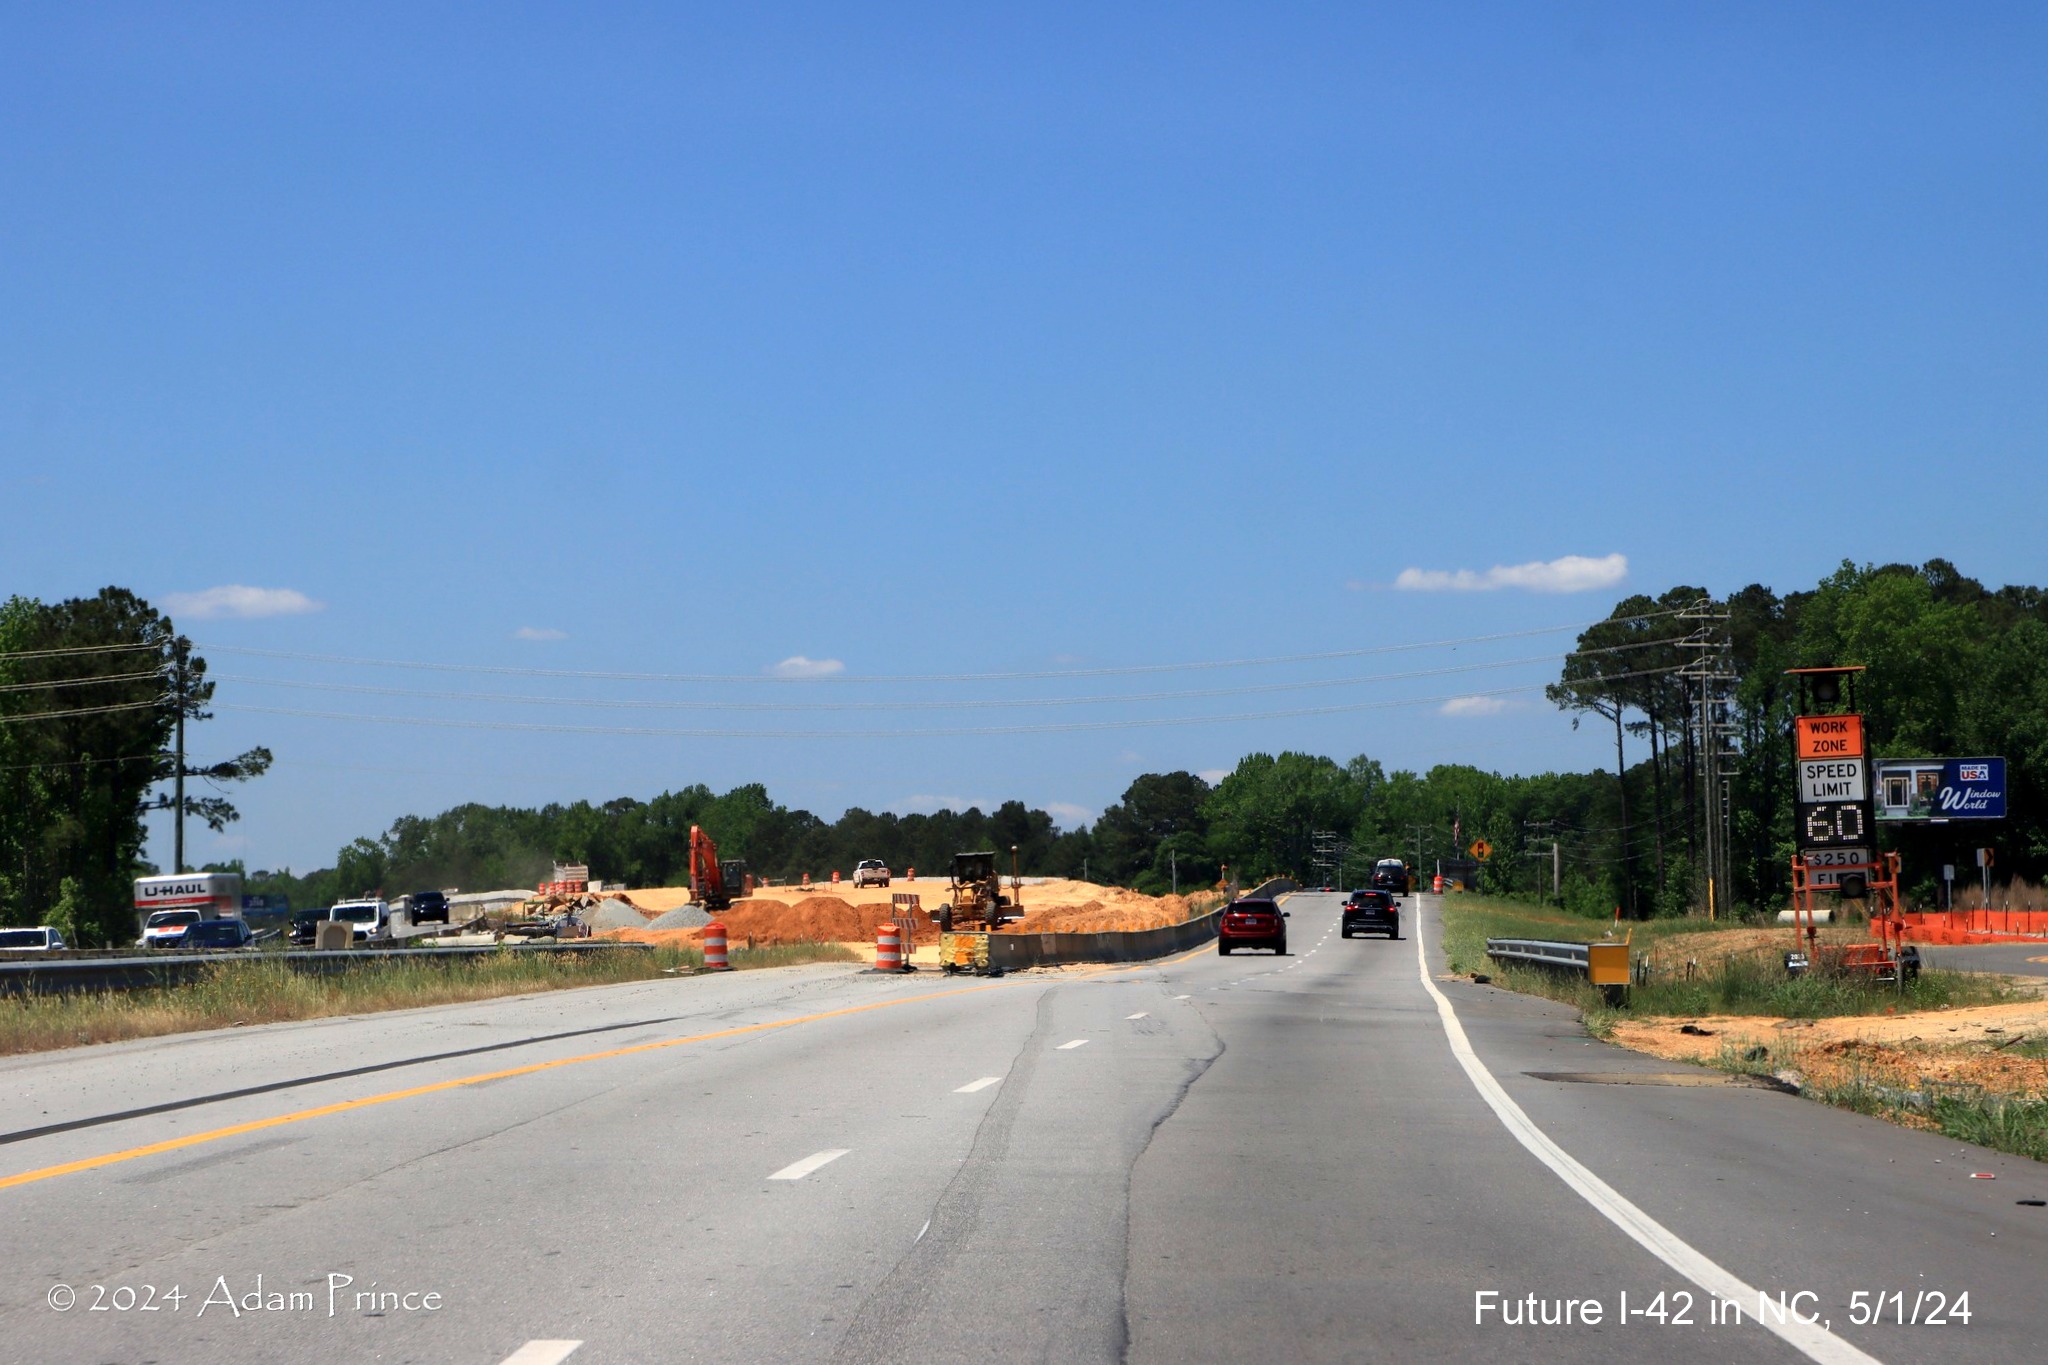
(1699, 967)
(1964, 1054)
(253, 991)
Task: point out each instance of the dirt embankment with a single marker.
(847, 915)
(1981, 1046)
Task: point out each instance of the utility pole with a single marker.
(1556, 872)
(1710, 669)
(1173, 861)
(178, 774)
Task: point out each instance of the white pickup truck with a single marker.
(871, 872)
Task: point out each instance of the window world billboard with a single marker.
(1938, 789)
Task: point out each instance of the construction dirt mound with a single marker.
(814, 919)
(853, 917)
(1115, 911)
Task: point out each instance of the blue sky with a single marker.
(965, 339)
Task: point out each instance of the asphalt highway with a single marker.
(1323, 1156)
(2014, 959)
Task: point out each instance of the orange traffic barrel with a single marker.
(835, 876)
(714, 947)
(1439, 886)
(889, 947)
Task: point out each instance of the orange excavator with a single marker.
(714, 884)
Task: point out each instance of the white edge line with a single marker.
(1078, 1042)
(797, 1170)
(984, 1083)
(541, 1353)
(1815, 1342)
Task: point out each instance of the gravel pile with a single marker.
(611, 913)
(686, 917)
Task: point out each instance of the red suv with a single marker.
(1252, 924)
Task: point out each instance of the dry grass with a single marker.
(256, 992)
(2017, 894)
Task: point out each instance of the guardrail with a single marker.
(73, 975)
(1605, 965)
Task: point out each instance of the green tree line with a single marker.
(92, 689)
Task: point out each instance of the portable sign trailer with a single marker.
(1834, 828)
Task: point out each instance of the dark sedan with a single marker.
(215, 935)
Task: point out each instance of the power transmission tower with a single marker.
(1711, 673)
(1328, 855)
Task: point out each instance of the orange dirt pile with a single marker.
(1968, 1046)
(815, 919)
(1111, 910)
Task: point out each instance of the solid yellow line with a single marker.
(343, 1107)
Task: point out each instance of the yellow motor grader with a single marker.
(975, 905)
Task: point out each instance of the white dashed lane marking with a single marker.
(541, 1353)
(1139, 1015)
(797, 1170)
(984, 1083)
(1078, 1042)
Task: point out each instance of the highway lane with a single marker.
(2016, 959)
(1208, 1158)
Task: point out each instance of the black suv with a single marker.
(305, 924)
(1370, 912)
(1390, 875)
(429, 906)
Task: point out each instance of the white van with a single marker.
(41, 939)
(371, 918)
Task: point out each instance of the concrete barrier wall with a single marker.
(1012, 951)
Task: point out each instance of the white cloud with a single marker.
(235, 599)
(539, 633)
(924, 803)
(1069, 815)
(1213, 775)
(1473, 706)
(1572, 573)
(797, 666)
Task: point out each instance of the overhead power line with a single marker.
(71, 650)
(983, 703)
(156, 673)
(1126, 670)
(25, 716)
(1056, 727)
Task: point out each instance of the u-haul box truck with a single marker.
(167, 906)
